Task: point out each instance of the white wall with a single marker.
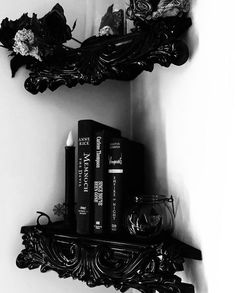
(186, 117)
(32, 138)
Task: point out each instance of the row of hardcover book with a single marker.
(110, 174)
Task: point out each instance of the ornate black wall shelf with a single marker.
(39, 44)
(123, 264)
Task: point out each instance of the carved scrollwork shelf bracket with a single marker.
(156, 36)
(145, 267)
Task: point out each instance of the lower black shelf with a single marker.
(147, 267)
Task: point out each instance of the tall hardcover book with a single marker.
(126, 179)
(86, 163)
(101, 195)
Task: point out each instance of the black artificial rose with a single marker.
(33, 39)
(142, 8)
(9, 28)
(49, 32)
(56, 31)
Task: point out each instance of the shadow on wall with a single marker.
(191, 37)
(193, 269)
(149, 116)
(148, 128)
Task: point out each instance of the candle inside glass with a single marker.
(69, 180)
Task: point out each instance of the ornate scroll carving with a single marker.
(149, 10)
(39, 43)
(114, 57)
(146, 268)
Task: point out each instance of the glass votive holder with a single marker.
(150, 216)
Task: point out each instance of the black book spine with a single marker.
(86, 172)
(101, 194)
(126, 179)
(116, 186)
(85, 186)
(99, 188)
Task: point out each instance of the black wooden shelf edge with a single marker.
(124, 264)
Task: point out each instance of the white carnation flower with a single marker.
(35, 53)
(106, 31)
(21, 48)
(24, 35)
(24, 41)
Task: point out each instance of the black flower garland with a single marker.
(33, 40)
(38, 44)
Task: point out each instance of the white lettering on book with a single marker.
(82, 210)
(83, 141)
(86, 163)
(97, 161)
(98, 192)
(114, 162)
(98, 151)
(114, 145)
(115, 171)
(80, 172)
(114, 213)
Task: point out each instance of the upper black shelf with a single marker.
(156, 37)
(114, 57)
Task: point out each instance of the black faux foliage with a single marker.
(114, 20)
(9, 28)
(50, 32)
(18, 60)
(38, 43)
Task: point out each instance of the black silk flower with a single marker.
(141, 9)
(9, 29)
(39, 44)
(32, 40)
(54, 26)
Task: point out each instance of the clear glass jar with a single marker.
(150, 216)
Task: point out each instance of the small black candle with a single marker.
(69, 180)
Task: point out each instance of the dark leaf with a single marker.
(58, 8)
(113, 19)
(110, 9)
(74, 25)
(17, 62)
(36, 26)
(55, 27)
(9, 28)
